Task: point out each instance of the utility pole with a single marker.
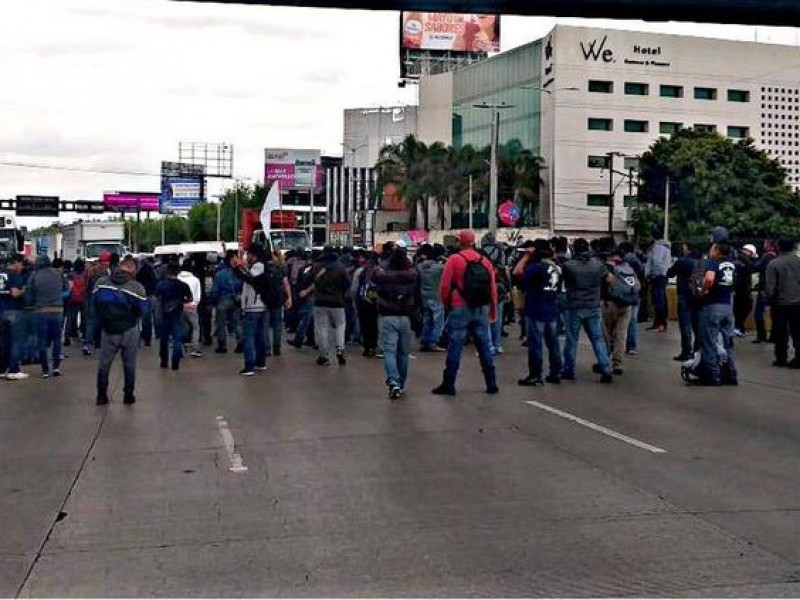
(610, 156)
(493, 167)
(666, 210)
(470, 200)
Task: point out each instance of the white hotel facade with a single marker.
(579, 94)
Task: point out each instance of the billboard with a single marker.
(293, 169)
(182, 187)
(450, 32)
(131, 201)
(38, 206)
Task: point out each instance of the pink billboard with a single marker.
(294, 169)
(131, 201)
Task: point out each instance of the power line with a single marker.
(25, 165)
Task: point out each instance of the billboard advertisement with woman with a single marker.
(450, 32)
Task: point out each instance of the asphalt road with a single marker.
(337, 492)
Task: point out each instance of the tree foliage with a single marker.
(718, 181)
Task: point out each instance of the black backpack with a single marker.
(274, 297)
(477, 283)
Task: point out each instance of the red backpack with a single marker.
(77, 294)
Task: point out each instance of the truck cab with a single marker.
(12, 241)
(283, 234)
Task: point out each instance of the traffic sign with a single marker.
(37, 206)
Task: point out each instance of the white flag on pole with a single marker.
(272, 202)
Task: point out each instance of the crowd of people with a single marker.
(382, 300)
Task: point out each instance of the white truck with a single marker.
(86, 240)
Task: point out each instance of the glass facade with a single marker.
(511, 78)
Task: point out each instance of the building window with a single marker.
(704, 128)
(597, 162)
(738, 96)
(597, 199)
(671, 91)
(703, 93)
(632, 126)
(737, 131)
(594, 124)
(668, 128)
(637, 89)
(601, 87)
(630, 201)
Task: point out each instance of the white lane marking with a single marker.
(600, 428)
(234, 458)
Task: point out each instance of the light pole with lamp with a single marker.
(495, 107)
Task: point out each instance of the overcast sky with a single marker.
(116, 84)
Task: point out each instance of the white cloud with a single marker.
(117, 84)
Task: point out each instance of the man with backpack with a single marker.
(120, 301)
(304, 303)
(365, 299)
(254, 289)
(75, 305)
(469, 291)
(689, 263)
(430, 269)
(584, 277)
(172, 294)
(620, 298)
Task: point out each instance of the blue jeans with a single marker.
(716, 342)
(433, 322)
(48, 330)
(395, 333)
(591, 320)
(758, 317)
(539, 333)
(305, 312)
(496, 330)
(12, 331)
(658, 286)
(475, 322)
(254, 339)
(632, 342)
(172, 326)
(274, 329)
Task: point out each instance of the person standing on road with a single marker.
(743, 294)
(278, 299)
(254, 289)
(75, 304)
(717, 363)
(100, 269)
(191, 312)
(430, 269)
(304, 303)
(628, 252)
(585, 276)
(659, 260)
(397, 285)
(783, 294)
(172, 295)
(330, 294)
(12, 290)
(469, 292)
(619, 299)
(761, 289)
(120, 302)
(362, 290)
(225, 296)
(688, 263)
(44, 295)
(540, 280)
(146, 276)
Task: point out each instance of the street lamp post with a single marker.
(495, 107)
(611, 190)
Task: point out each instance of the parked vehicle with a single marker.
(87, 240)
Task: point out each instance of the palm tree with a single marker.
(520, 175)
(403, 165)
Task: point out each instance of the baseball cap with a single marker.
(719, 235)
(751, 248)
(105, 256)
(466, 237)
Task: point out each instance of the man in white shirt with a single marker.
(190, 309)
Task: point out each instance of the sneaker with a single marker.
(738, 333)
(247, 372)
(444, 390)
(196, 354)
(323, 361)
(607, 378)
(129, 399)
(530, 381)
(395, 392)
(45, 375)
(297, 344)
(618, 371)
(555, 379)
(341, 358)
(492, 389)
(596, 368)
(261, 367)
(632, 352)
(18, 376)
(438, 349)
(56, 372)
(499, 350)
(101, 399)
(87, 351)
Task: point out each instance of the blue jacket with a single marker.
(226, 285)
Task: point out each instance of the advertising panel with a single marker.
(38, 206)
(293, 169)
(182, 187)
(451, 32)
(131, 201)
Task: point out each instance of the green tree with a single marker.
(717, 181)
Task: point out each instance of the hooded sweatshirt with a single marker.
(119, 301)
(331, 283)
(398, 287)
(45, 289)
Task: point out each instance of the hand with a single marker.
(288, 304)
